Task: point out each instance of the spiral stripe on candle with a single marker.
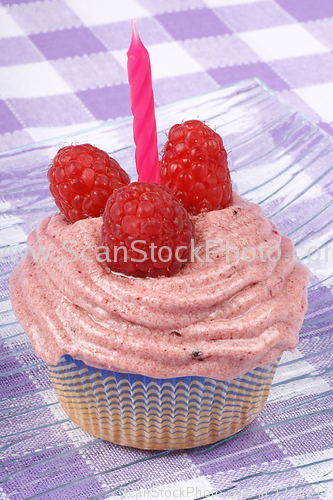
(144, 123)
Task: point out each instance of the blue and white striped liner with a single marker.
(148, 413)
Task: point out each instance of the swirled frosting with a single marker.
(226, 312)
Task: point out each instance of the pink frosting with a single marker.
(216, 319)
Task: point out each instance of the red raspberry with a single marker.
(81, 180)
(194, 166)
(138, 216)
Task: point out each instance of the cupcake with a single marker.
(176, 344)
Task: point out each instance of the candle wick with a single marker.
(136, 48)
(135, 33)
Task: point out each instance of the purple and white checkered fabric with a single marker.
(63, 69)
(63, 62)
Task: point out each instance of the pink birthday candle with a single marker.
(143, 109)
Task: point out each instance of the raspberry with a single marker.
(147, 231)
(81, 180)
(194, 166)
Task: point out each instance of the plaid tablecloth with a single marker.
(62, 70)
(63, 62)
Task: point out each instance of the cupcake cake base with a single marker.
(159, 414)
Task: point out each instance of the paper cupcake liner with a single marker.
(160, 414)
